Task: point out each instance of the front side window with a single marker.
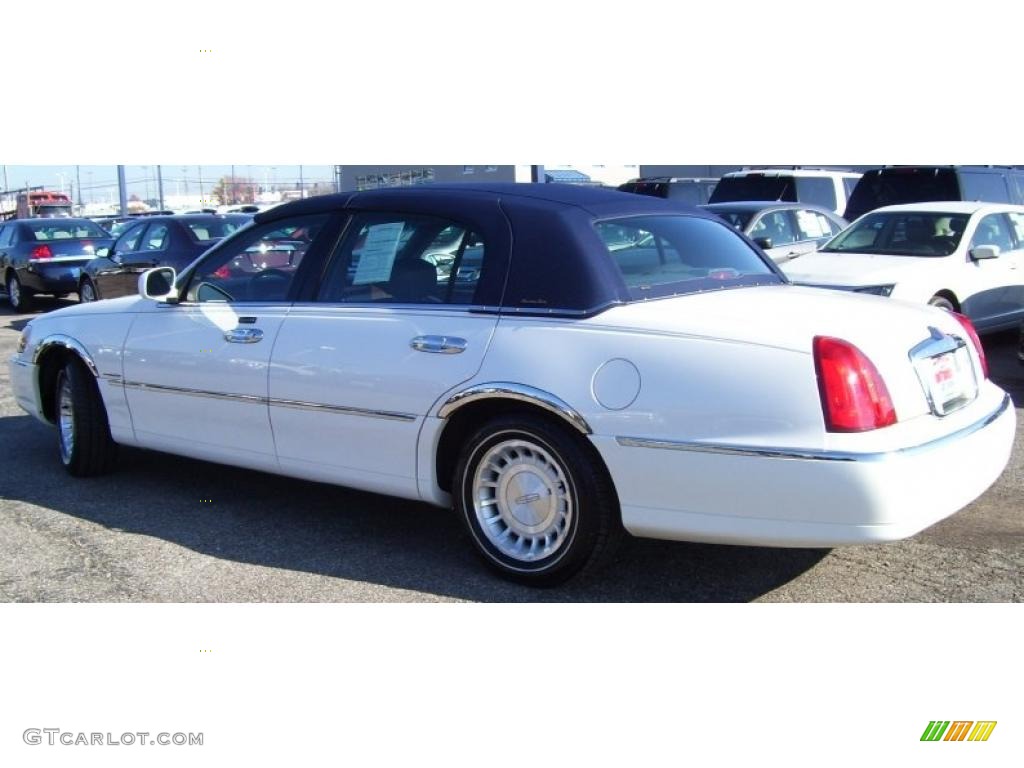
(993, 230)
(902, 234)
(404, 259)
(129, 241)
(258, 264)
(669, 255)
(775, 226)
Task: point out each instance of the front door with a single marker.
(195, 373)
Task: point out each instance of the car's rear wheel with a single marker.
(537, 503)
(86, 291)
(942, 303)
(83, 433)
(17, 295)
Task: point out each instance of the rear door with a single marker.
(391, 329)
(780, 228)
(120, 276)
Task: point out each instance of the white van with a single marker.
(816, 186)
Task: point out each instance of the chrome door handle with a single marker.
(244, 335)
(441, 345)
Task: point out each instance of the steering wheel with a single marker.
(273, 274)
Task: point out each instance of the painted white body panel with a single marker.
(362, 358)
(731, 367)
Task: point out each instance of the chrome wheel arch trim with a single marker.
(505, 390)
(67, 342)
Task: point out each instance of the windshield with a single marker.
(666, 255)
(902, 234)
(56, 229)
(755, 187)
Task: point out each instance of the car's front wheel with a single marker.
(86, 291)
(83, 433)
(20, 299)
(537, 502)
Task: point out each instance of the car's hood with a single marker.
(121, 305)
(851, 269)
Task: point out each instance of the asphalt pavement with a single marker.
(164, 528)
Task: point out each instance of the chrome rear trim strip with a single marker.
(811, 454)
(259, 400)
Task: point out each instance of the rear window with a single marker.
(66, 230)
(989, 187)
(817, 190)
(667, 255)
(731, 189)
(893, 186)
(214, 229)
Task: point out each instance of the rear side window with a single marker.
(731, 189)
(667, 255)
(650, 188)
(1016, 183)
(817, 191)
(989, 187)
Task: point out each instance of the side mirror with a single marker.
(763, 242)
(985, 252)
(158, 284)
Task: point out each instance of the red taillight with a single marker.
(973, 334)
(854, 397)
(223, 272)
(42, 252)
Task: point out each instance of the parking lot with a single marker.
(164, 528)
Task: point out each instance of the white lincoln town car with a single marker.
(560, 364)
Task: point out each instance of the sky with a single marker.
(99, 182)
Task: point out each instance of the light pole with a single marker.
(160, 186)
(122, 190)
(78, 182)
(202, 201)
(61, 176)
(302, 192)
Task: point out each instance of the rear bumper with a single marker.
(52, 276)
(765, 499)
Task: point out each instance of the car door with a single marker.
(195, 372)
(118, 275)
(389, 332)
(993, 290)
(779, 227)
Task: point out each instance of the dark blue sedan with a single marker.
(156, 241)
(46, 256)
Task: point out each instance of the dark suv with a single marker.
(894, 185)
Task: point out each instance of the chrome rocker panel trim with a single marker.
(811, 454)
(520, 392)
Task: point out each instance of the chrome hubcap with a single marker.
(87, 292)
(14, 291)
(522, 501)
(65, 419)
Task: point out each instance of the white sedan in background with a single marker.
(592, 361)
(963, 257)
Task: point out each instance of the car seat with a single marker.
(413, 281)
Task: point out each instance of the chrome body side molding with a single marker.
(811, 454)
(509, 391)
(260, 400)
